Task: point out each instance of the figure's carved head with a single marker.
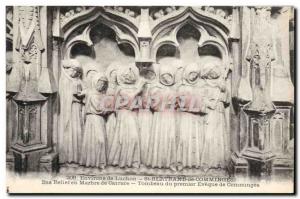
(191, 73)
(167, 76)
(167, 79)
(73, 68)
(111, 72)
(211, 70)
(128, 75)
(76, 71)
(100, 82)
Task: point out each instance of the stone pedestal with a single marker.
(283, 168)
(10, 161)
(49, 163)
(238, 166)
(32, 161)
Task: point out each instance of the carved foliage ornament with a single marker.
(29, 39)
(69, 13)
(124, 10)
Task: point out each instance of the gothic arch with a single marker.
(215, 34)
(124, 28)
(213, 26)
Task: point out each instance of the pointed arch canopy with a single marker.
(214, 29)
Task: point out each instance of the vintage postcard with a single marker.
(150, 99)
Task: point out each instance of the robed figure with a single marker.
(162, 145)
(93, 153)
(145, 116)
(125, 150)
(215, 150)
(71, 120)
(190, 119)
(111, 74)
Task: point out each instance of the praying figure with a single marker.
(190, 119)
(125, 150)
(71, 120)
(93, 153)
(162, 145)
(215, 132)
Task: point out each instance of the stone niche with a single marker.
(104, 51)
(257, 135)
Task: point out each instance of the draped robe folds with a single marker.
(215, 129)
(71, 120)
(162, 145)
(93, 153)
(111, 118)
(145, 117)
(190, 127)
(110, 129)
(125, 149)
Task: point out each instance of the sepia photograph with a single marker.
(150, 99)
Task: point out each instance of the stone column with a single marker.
(260, 55)
(12, 85)
(32, 145)
(242, 93)
(57, 44)
(282, 137)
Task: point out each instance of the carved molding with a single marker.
(127, 25)
(216, 17)
(84, 38)
(126, 32)
(67, 14)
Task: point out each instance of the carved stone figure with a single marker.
(215, 134)
(125, 149)
(111, 74)
(71, 121)
(162, 146)
(145, 118)
(93, 153)
(190, 119)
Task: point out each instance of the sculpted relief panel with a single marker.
(143, 95)
(149, 90)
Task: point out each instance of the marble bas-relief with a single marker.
(181, 112)
(170, 90)
(71, 120)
